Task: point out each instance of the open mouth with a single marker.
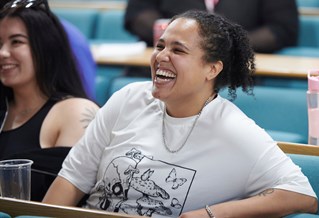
(7, 66)
(165, 75)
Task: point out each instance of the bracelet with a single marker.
(209, 211)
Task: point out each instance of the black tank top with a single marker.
(24, 142)
(25, 137)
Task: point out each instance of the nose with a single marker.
(4, 52)
(162, 55)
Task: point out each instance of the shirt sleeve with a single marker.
(274, 169)
(82, 163)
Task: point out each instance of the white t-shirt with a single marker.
(122, 163)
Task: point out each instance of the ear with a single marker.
(214, 69)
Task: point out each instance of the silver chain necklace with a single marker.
(189, 133)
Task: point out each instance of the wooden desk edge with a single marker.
(15, 207)
(263, 63)
(308, 11)
(296, 148)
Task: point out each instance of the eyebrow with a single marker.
(180, 44)
(18, 35)
(176, 43)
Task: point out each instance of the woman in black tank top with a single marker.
(38, 74)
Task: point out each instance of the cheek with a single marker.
(153, 58)
(153, 63)
(27, 61)
(27, 69)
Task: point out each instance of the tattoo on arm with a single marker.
(88, 116)
(267, 192)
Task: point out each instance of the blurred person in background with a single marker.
(271, 24)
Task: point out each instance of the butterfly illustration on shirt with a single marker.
(175, 203)
(177, 182)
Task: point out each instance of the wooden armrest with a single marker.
(296, 148)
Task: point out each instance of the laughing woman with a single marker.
(173, 147)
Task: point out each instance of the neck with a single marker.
(27, 104)
(187, 108)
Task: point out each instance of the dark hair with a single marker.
(228, 42)
(55, 66)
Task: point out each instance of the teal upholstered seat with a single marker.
(303, 215)
(120, 82)
(309, 31)
(107, 84)
(110, 27)
(282, 112)
(300, 51)
(83, 19)
(4, 215)
(309, 166)
(308, 38)
(307, 3)
(104, 77)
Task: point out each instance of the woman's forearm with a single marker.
(62, 192)
(270, 203)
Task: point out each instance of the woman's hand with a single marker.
(201, 213)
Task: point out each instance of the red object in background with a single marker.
(159, 28)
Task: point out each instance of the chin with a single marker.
(156, 93)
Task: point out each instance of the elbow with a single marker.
(310, 205)
(313, 205)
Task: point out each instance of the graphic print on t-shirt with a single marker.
(138, 184)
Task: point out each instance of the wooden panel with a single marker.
(309, 11)
(266, 64)
(15, 207)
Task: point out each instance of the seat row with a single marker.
(308, 3)
(107, 26)
(97, 25)
(308, 38)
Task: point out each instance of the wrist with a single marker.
(209, 212)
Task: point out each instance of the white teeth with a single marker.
(165, 73)
(7, 66)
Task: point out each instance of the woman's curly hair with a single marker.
(228, 42)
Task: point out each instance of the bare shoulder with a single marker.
(75, 109)
(71, 103)
(67, 121)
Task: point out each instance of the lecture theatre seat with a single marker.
(84, 19)
(309, 166)
(120, 82)
(282, 112)
(308, 3)
(308, 38)
(110, 27)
